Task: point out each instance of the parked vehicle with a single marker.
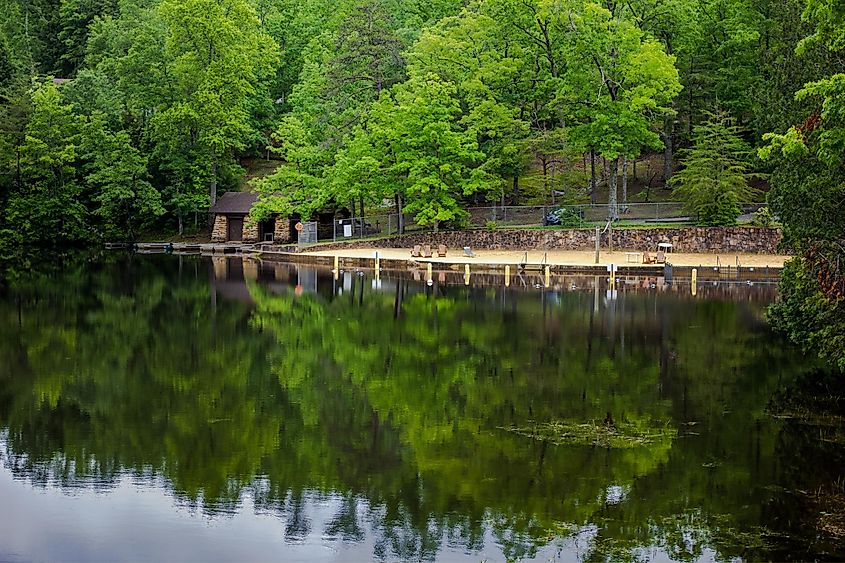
(564, 217)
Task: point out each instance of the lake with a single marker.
(183, 408)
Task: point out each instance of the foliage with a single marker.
(49, 204)
(714, 178)
(436, 106)
(120, 181)
(808, 194)
(808, 316)
(763, 218)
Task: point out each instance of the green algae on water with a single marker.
(621, 435)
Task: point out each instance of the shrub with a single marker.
(763, 218)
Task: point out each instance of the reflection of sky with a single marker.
(141, 522)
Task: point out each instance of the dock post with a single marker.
(466, 274)
(336, 270)
(429, 280)
(548, 276)
(598, 237)
(507, 276)
(694, 282)
(378, 269)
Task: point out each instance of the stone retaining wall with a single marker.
(745, 240)
(220, 230)
(281, 232)
(250, 231)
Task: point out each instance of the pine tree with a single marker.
(714, 179)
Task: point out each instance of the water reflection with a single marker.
(375, 416)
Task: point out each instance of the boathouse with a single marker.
(231, 223)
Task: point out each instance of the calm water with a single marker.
(177, 408)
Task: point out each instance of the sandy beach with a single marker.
(564, 257)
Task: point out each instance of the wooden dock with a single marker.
(188, 248)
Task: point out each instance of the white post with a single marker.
(598, 239)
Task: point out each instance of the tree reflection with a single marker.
(218, 378)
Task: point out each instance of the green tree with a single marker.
(296, 187)
(117, 175)
(218, 58)
(618, 82)
(48, 207)
(808, 189)
(439, 158)
(714, 178)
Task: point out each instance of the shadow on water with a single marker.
(390, 402)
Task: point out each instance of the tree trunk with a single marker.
(515, 189)
(668, 164)
(624, 180)
(213, 189)
(400, 217)
(593, 175)
(612, 208)
(546, 184)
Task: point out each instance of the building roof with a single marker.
(234, 203)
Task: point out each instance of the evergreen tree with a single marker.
(714, 179)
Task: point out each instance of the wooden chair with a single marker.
(426, 252)
(647, 259)
(441, 250)
(661, 257)
(416, 252)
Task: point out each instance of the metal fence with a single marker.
(669, 211)
(307, 233)
(517, 216)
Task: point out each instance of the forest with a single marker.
(119, 117)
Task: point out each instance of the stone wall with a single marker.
(745, 240)
(250, 230)
(281, 231)
(220, 230)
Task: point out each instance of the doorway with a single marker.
(236, 229)
(266, 229)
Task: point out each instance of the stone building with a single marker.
(231, 223)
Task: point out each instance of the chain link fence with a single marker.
(520, 216)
